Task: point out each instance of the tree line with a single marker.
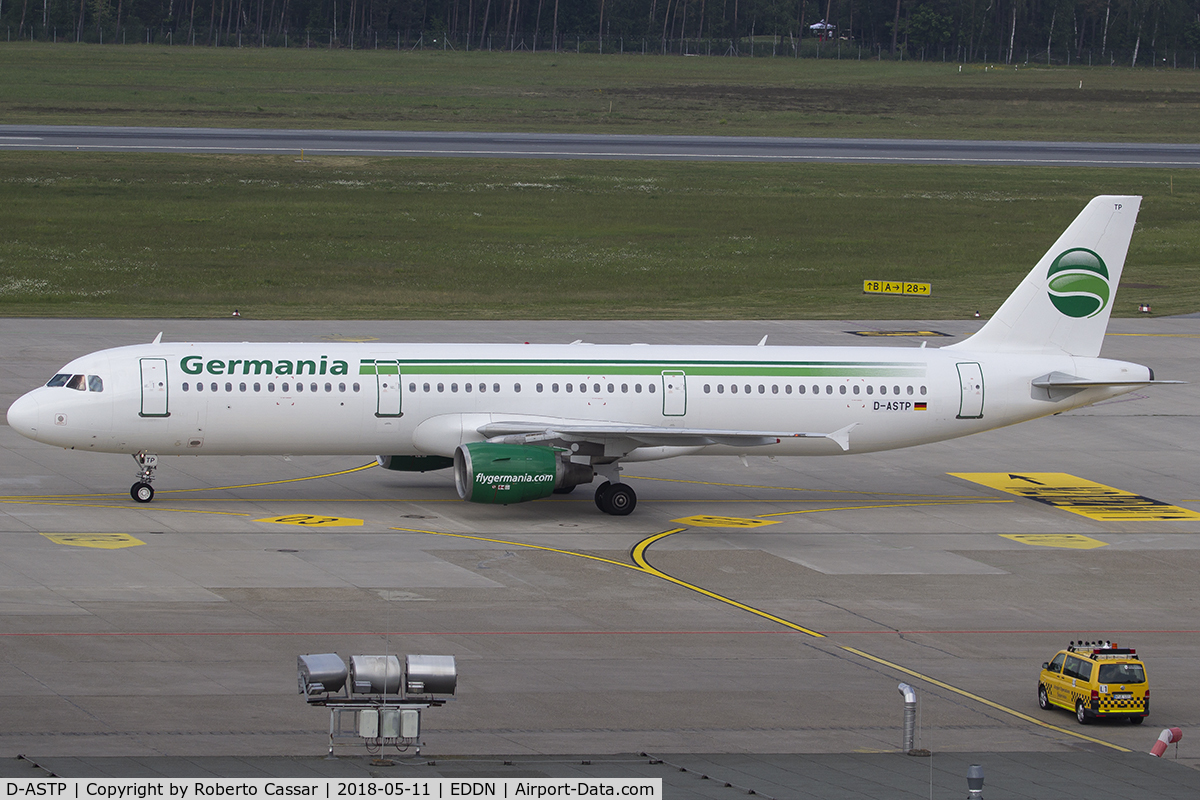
(1161, 33)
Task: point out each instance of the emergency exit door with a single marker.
(674, 384)
(387, 384)
(970, 377)
(154, 387)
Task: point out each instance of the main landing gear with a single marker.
(142, 491)
(617, 499)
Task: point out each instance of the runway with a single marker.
(429, 144)
(763, 609)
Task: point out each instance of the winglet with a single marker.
(842, 436)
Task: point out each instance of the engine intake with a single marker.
(513, 473)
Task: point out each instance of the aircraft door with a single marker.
(674, 385)
(154, 387)
(970, 376)
(387, 383)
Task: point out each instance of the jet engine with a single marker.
(514, 473)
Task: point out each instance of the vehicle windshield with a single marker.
(1122, 673)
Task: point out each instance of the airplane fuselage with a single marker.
(426, 399)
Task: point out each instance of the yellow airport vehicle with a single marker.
(1096, 680)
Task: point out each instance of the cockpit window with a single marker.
(95, 383)
(59, 380)
(76, 382)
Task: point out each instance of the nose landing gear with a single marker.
(142, 491)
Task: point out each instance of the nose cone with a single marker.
(23, 415)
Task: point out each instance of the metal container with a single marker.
(375, 674)
(430, 675)
(320, 672)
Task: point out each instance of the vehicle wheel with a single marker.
(621, 500)
(142, 492)
(1137, 720)
(602, 496)
(1043, 699)
(1079, 713)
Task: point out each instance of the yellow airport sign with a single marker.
(704, 521)
(101, 541)
(897, 287)
(1068, 541)
(314, 521)
(1079, 496)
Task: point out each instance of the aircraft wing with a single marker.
(545, 431)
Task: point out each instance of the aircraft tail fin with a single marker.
(1063, 305)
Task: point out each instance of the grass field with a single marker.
(318, 88)
(120, 235)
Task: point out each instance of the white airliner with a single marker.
(519, 422)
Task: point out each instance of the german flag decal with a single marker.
(919, 406)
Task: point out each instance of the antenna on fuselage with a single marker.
(763, 340)
(158, 339)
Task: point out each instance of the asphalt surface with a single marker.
(168, 633)
(597, 146)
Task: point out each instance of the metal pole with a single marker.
(910, 715)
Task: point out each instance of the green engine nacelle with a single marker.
(513, 473)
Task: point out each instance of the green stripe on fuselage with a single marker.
(771, 369)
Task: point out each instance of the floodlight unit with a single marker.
(385, 701)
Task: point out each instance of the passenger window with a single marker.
(611, 389)
(517, 388)
(258, 387)
(312, 387)
(910, 390)
(774, 389)
(856, 388)
(185, 386)
(483, 387)
(733, 388)
(554, 388)
(637, 388)
(596, 388)
(342, 387)
(241, 387)
(270, 387)
(199, 387)
(229, 387)
(76, 382)
(454, 387)
(59, 380)
(707, 389)
(212, 386)
(299, 386)
(624, 388)
(800, 389)
(285, 388)
(329, 387)
(412, 387)
(842, 389)
(495, 387)
(356, 387)
(570, 388)
(95, 384)
(828, 389)
(788, 388)
(922, 390)
(650, 388)
(720, 388)
(538, 387)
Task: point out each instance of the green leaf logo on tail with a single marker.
(1078, 283)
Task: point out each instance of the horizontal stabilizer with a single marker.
(1061, 380)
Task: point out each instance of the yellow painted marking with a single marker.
(881, 505)
(794, 489)
(30, 498)
(702, 521)
(125, 507)
(101, 541)
(921, 334)
(337, 338)
(639, 558)
(521, 544)
(983, 700)
(1069, 541)
(314, 521)
(1161, 335)
(1079, 496)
